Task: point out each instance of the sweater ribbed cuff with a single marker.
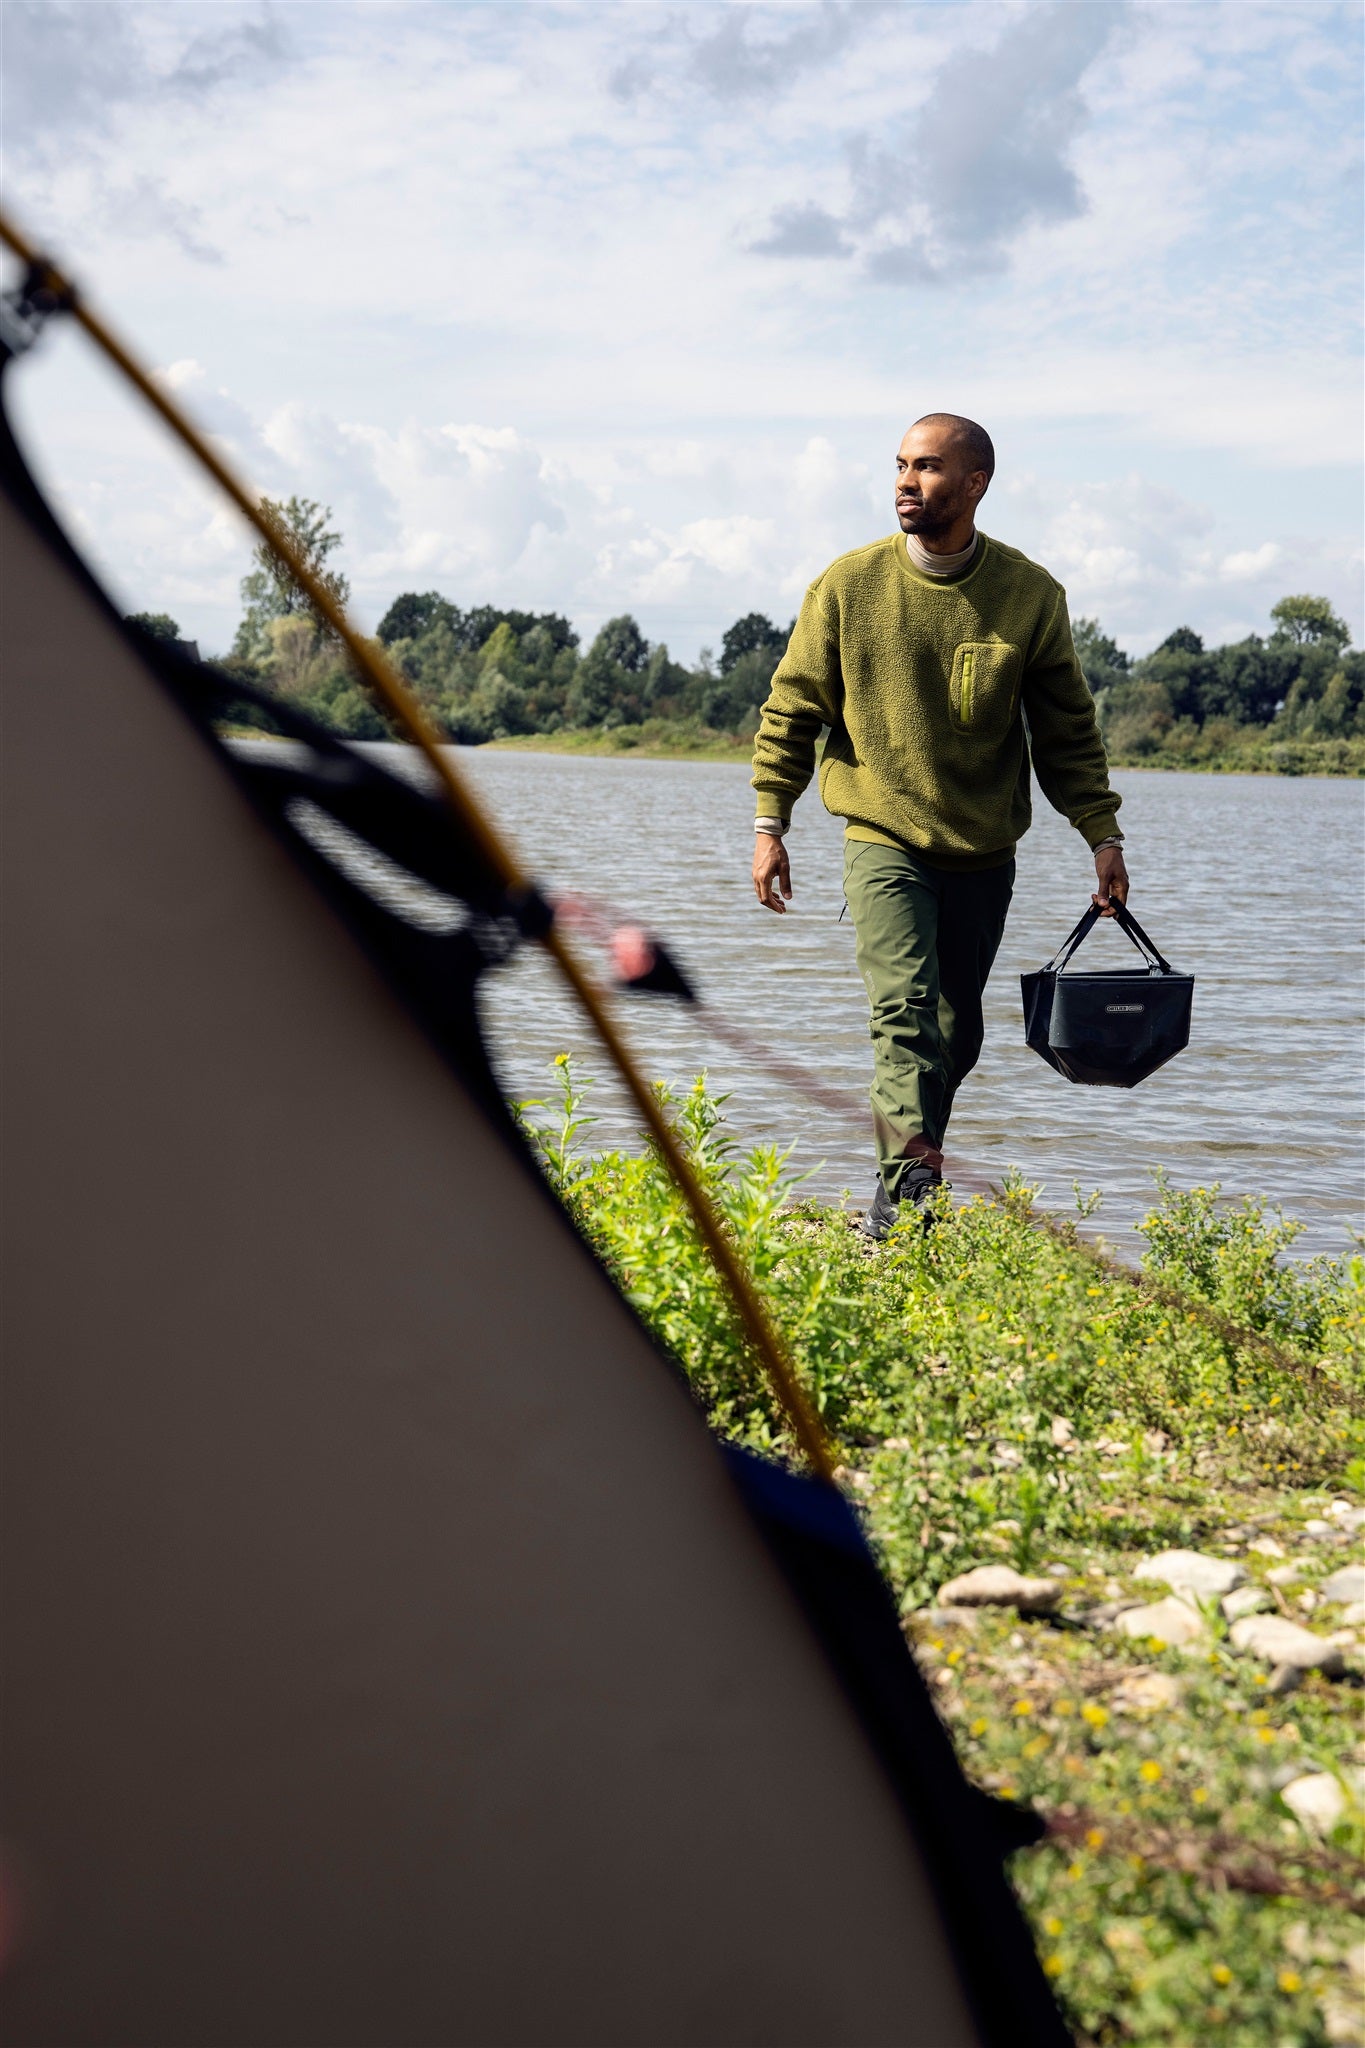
(1098, 829)
(771, 805)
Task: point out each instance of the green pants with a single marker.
(926, 937)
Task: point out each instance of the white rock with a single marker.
(1346, 1585)
(1171, 1621)
(1317, 1528)
(951, 1617)
(1317, 1800)
(1283, 1642)
(1354, 1615)
(1285, 1574)
(1146, 1692)
(1063, 1432)
(1246, 1600)
(1266, 1546)
(999, 1585)
(1343, 2020)
(1192, 1571)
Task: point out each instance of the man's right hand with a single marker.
(772, 872)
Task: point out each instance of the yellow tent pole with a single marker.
(411, 719)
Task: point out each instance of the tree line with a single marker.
(487, 673)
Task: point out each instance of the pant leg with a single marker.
(894, 902)
(971, 923)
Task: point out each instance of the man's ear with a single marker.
(978, 483)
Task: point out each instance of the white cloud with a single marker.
(1247, 565)
(436, 214)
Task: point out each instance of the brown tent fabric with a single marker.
(391, 1656)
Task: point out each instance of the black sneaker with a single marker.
(919, 1187)
(880, 1220)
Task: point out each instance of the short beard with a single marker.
(933, 525)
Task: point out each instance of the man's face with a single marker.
(934, 485)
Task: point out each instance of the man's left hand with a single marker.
(1112, 878)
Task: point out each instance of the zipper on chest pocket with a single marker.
(968, 664)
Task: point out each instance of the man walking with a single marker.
(939, 662)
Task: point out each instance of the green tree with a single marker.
(608, 688)
(158, 624)
(412, 614)
(621, 642)
(1103, 662)
(1309, 621)
(486, 618)
(270, 592)
(755, 633)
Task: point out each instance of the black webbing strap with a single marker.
(1126, 923)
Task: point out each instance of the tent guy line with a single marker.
(48, 290)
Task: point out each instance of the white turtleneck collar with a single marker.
(938, 565)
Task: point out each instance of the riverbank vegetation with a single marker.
(998, 1395)
(1290, 703)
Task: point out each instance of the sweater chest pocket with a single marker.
(983, 685)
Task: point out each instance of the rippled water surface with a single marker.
(1250, 883)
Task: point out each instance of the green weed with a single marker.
(995, 1398)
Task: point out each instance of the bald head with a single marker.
(975, 443)
(943, 470)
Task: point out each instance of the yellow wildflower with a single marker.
(1150, 1771)
(1221, 1974)
(1022, 1707)
(1062, 1707)
(1200, 1795)
(1094, 1838)
(1052, 1966)
(978, 1727)
(1289, 1980)
(1052, 1926)
(1096, 1716)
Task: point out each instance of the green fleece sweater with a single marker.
(935, 690)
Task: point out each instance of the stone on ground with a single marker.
(1346, 1585)
(999, 1585)
(1282, 1642)
(952, 1617)
(1285, 1574)
(1317, 1800)
(1266, 1546)
(1146, 1692)
(1246, 1600)
(1192, 1571)
(1171, 1621)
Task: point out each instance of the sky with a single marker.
(625, 308)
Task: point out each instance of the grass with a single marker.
(996, 1396)
(1221, 748)
(658, 739)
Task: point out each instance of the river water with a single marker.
(1251, 883)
